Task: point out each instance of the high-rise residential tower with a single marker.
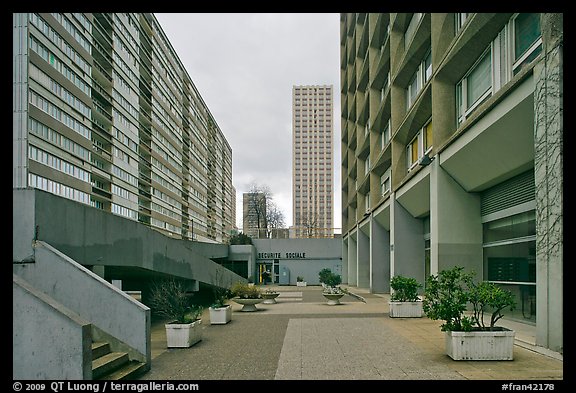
(452, 140)
(106, 114)
(312, 144)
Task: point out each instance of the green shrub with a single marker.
(332, 279)
(405, 289)
(245, 291)
(324, 273)
(447, 295)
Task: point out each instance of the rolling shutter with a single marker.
(512, 192)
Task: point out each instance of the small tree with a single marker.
(446, 297)
(405, 289)
(486, 296)
(448, 294)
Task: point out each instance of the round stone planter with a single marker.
(333, 298)
(249, 305)
(269, 298)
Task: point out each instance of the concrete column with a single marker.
(548, 176)
(345, 260)
(379, 259)
(363, 249)
(455, 224)
(352, 260)
(406, 243)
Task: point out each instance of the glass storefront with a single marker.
(510, 260)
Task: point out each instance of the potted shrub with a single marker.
(220, 311)
(170, 299)
(246, 295)
(300, 281)
(404, 300)
(467, 337)
(332, 290)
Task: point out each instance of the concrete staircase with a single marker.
(108, 365)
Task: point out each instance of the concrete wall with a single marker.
(93, 237)
(319, 254)
(244, 253)
(455, 225)
(90, 296)
(406, 243)
(49, 341)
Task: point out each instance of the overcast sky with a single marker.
(244, 66)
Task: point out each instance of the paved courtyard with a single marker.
(303, 338)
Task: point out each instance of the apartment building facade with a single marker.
(452, 153)
(105, 113)
(312, 170)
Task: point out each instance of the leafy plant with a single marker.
(245, 291)
(486, 296)
(448, 294)
(300, 279)
(333, 279)
(405, 289)
(323, 275)
(170, 299)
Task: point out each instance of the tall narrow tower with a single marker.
(312, 130)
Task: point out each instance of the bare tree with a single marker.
(266, 215)
(274, 218)
(309, 224)
(258, 197)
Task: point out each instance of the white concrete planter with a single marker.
(249, 305)
(300, 283)
(333, 298)
(480, 345)
(220, 315)
(269, 298)
(406, 309)
(183, 335)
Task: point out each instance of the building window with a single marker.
(421, 144)
(421, 76)
(413, 151)
(461, 18)
(385, 138)
(509, 248)
(385, 182)
(475, 87)
(367, 201)
(527, 39)
(428, 137)
(517, 45)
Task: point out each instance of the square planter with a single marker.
(406, 309)
(300, 283)
(183, 335)
(480, 345)
(220, 315)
